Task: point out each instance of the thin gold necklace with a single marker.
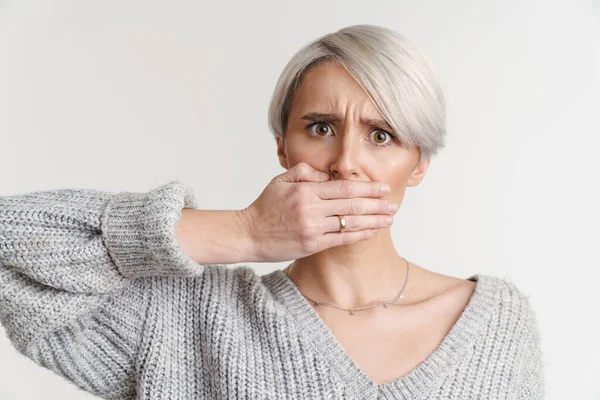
(351, 310)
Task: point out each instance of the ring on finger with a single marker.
(342, 223)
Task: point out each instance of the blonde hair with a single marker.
(396, 75)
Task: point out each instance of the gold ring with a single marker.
(342, 223)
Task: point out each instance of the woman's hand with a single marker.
(296, 215)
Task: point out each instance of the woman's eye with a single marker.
(380, 135)
(321, 129)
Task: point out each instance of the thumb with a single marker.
(302, 172)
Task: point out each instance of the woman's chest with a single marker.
(391, 342)
(385, 356)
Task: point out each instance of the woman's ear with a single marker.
(418, 173)
(283, 160)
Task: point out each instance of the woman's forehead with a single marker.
(329, 89)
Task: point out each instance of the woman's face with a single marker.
(334, 127)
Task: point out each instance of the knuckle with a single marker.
(356, 207)
(385, 208)
(376, 189)
(303, 193)
(296, 209)
(345, 238)
(303, 167)
(296, 190)
(352, 223)
(299, 210)
(304, 227)
(346, 188)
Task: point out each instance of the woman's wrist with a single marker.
(215, 236)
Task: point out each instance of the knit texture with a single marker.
(95, 287)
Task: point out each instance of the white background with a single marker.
(126, 95)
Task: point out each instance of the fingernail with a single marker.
(393, 207)
(385, 188)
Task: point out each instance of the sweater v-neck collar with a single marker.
(424, 378)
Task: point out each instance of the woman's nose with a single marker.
(346, 158)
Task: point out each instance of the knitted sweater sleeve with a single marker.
(531, 380)
(73, 263)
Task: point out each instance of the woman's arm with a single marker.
(69, 259)
(526, 337)
(215, 236)
(532, 385)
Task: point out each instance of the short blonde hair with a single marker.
(395, 74)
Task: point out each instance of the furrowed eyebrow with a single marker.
(377, 123)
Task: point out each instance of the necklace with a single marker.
(351, 310)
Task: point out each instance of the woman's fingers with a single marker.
(359, 213)
(358, 206)
(295, 215)
(338, 239)
(345, 189)
(358, 222)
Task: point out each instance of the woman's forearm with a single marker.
(214, 236)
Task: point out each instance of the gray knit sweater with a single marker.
(94, 286)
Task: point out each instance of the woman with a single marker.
(128, 295)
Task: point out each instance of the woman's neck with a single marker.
(353, 275)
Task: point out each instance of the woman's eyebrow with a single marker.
(377, 123)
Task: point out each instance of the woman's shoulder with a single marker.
(510, 302)
(480, 283)
(514, 321)
(507, 291)
(493, 293)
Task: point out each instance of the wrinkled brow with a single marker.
(320, 117)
